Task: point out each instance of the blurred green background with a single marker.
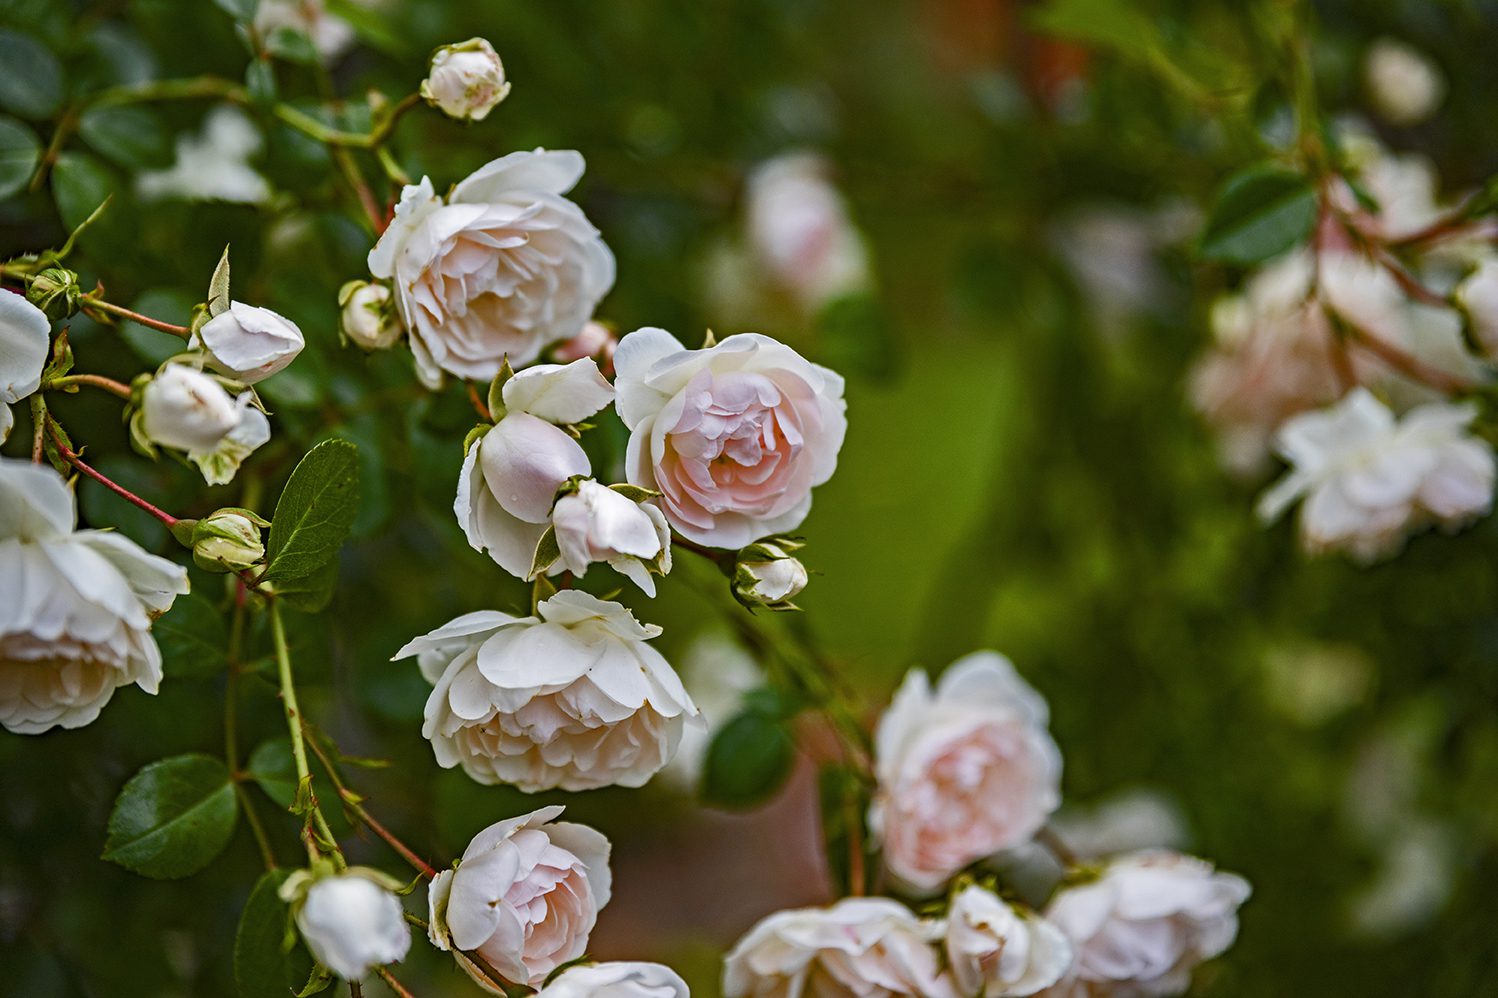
(1021, 471)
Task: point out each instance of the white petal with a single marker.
(559, 393)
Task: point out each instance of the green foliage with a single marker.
(748, 761)
(19, 153)
(265, 964)
(315, 512)
(272, 768)
(31, 82)
(193, 638)
(173, 817)
(132, 137)
(1260, 213)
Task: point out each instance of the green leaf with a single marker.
(260, 79)
(273, 769)
(131, 136)
(1260, 213)
(310, 593)
(241, 10)
(264, 966)
(173, 817)
(193, 639)
(1111, 24)
(30, 76)
(315, 511)
(19, 152)
(80, 184)
(218, 287)
(292, 45)
(152, 345)
(747, 761)
(547, 552)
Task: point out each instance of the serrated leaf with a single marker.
(273, 769)
(30, 76)
(747, 761)
(218, 286)
(192, 637)
(315, 512)
(20, 150)
(317, 982)
(173, 817)
(129, 135)
(263, 968)
(1260, 213)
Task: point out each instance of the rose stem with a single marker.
(351, 801)
(115, 487)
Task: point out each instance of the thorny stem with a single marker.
(351, 803)
(38, 428)
(95, 380)
(395, 986)
(231, 727)
(298, 745)
(69, 456)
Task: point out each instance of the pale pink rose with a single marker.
(1145, 924)
(996, 950)
(857, 948)
(524, 897)
(800, 231)
(733, 436)
(964, 771)
(596, 340)
(616, 980)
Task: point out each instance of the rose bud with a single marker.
(466, 81)
(228, 540)
(250, 343)
(768, 575)
(56, 292)
(184, 408)
(995, 950)
(598, 523)
(616, 980)
(352, 921)
(368, 317)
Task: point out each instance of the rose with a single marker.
(466, 81)
(228, 540)
(24, 335)
(501, 268)
(733, 436)
(800, 232)
(1405, 86)
(766, 574)
(184, 408)
(213, 165)
(617, 980)
(1477, 295)
(860, 947)
(524, 897)
(510, 477)
(1145, 923)
(1368, 480)
(249, 343)
(330, 35)
(75, 606)
(351, 921)
(571, 698)
(597, 523)
(596, 340)
(995, 950)
(367, 315)
(964, 771)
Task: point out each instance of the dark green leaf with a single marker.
(30, 76)
(263, 965)
(131, 136)
(80, 184)
(152, 345)
(19, 152)
(315, 511)
(260, 78)
(272, 767)
(1260, 213)
(242, 11)
(193, 639)
(747, 761)
(292, 45)
(310, 593)
(173, 817)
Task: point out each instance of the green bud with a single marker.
(56, 292)
(228, 540)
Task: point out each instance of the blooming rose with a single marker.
(184, 408)
(250, 344)
(330, 35)
(964, 771)
(733, 436)
(215, 164)
(800, 231)
(1145, 923)
(503, 267)
(996, 951)
(75, 606)
(573, 698)
(524, 897)
(597, 523)
(351, 923)
(1404, 85)
(859, 947)
(511, 475)
(1368, 480)
(616, 980)
(366, 317)
(466, 81)
(24, 336)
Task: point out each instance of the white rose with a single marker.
(1405, 86)
(213, 165)
(330, 35)
(964, 771)
(858, 947)
(524, 897)
(996, 951)
(220, 464)
(24, 336)
(772, 582)
(573, 698)
(510, 476)
(352, 925)
(503, 267)
(367, 315)
(596, 340)
(733, 436)
(597, 523)
(617, 980)
(800, 231)
(1477, 295)
(75, 606)
(249, 343)
(1147, 921)
(466, 81)
(1369, 480)
(184, 408)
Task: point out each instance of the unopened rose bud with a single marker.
(184, 408)
(368, 317)
(56, 292)
(352, 922)
(768, 575)
(251, 343)
(597, 523)
(228, 540)
(466, 80)
(596, 340)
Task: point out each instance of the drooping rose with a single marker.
(572, 698)
(599, 524)
(249, 343)
(188, 410)
(734, 436)
(75, 606)
(859, 947)
(965, 770)
(351, 921)
(617, 980)
(24, 336)
(502, 267)
(524, 897)
(995, 950)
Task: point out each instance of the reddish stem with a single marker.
(94, 304)
(478, 404)
(116, 388)
(409, 855)
(1408, 364)
(69, 456)
(391, 983)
